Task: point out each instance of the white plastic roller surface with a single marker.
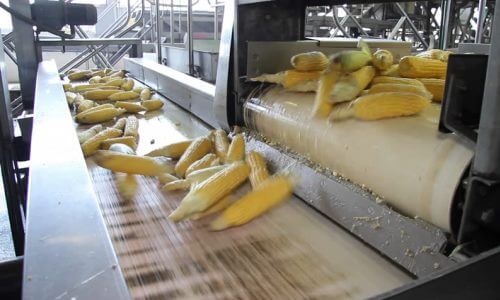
(405, 160)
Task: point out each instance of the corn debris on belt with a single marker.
(418, 67)
(101, 115)
(435, 87)
(130, 164)
(382, 59)
(90, 146)
(293, 77)
(202, 163)
(236, 149)
(267, 195)
(396, 87)
(211, 190)
(221, 144)
(196, 150)
(388, 79)
(126, 140)
(130, 107)
(258, 169)
(131, 127)
(121, 96)
(438, 54)
(322, 106)
(153, 104)
(382, 105)
(89, 133)
(174, 150)
(350, 85)
(310, 61)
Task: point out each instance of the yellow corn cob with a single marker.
(211, 190)
(123, 96)
(121, 148)
(293, 77)
(258, 168)
(127, 186)
(435, 87)
(151, 105)
(221, 144)
(322, 106)
(98, 73)
(99, 116)
(404, 88)
(80, 75)
(70, 97)
(131, 127)
(128, 84)
(95, 79)
(89, 133)
(397, 80)
(130, 164)
(97, 107)
(106, 79)
(310, 61)
(418, 67)
(441, 55)
(166, 178)
(393, 71)
(118, 73)
(382, 59)
(84, 105)
(192, 180)
(82, 87)
(90, 146)
(350, 85)
(174, 150)
(126, 140)
(130, 107)
(236, 149)
(382, 105)
(215, 162)
(99, 94)
(68, 87)
(145, 94)
(220, 205)
(267, 195)
(202, 163)
(353, 60)
(196, 150)
(120, 124)
(138, 90)
(270, 78)
(118, 82)
(175, 185)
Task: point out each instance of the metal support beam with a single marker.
(480, 21)
(158, 31)
(190, 36)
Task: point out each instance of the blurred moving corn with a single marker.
(382, 59)
(418, 67)
(130, 164)
(90, 146)
(350, 85)
(397, 80)
(221, 144)
(127, 186)
(196, 150)
(435, 86)
(258, 169)
(438, 54)
(236, 149)
(89, 133)
(393, 71)
(396, 87)
(220, 205)
(126, 140)
(310, 61)
(293, 77)
(322, 106)
(131, 127)
(166, 178)
(267, 195)
(174, 150)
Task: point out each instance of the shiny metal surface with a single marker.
(68, 252)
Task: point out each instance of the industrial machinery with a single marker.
(394, 209)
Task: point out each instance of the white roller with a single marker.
(406, 160)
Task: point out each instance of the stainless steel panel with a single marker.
(474, 48)
(68, 252)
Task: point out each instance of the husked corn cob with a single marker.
(90, 146)
(127, 186)
(258, 169)
(220, 205)
(196, 150)
(95, 79)
(68, 87)
(310, 61)
(121, 148)
(293, 77)
(120, 96)
(192, 180)
(153, 104)
(130, 164)
(126, 140)
(130, 107)
(382, 105)
(84, 105)
(80, 75)
(393, 71)
(166, 178)
(82, 87)
(181, 184)
(270, 78)
(97, 107)
(322, 106)
(89, 133)
(221, 144)
(397, 80)
(138, 90)
(267, 195)
(99, 116)
(353, 60)
(120, 124)
(112, 81)
(382, 59)
(350, 85)
(99, 94)
(174, 150)
(202, 163)
(145, 94)
(117, 73)
(435, 87)
(128, 84)
(131, 127)
(70, 97)
(236, 149)
(438, 54)
(418, 67)
(208, 192)
(396, 87)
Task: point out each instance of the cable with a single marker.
(39, 26)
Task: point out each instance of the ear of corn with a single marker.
(220, 205)
(130, 107)
(121, 96)
(435, 86)
(418, 67)
(80, 75)
(211, 190)
(221, 143)
(131, 127)
(117, 73)
(382, 59)
(353, 60)
(84, 105)
(145, 94)
(258, 169)
(100, 73)
(99, 116)
(138, 90)
(89, 133)
(393, 71)
(98, 107)
(404, 88)
(99, 94)
(95, 79)
(126, 140)
(196, 150)
(202, 163)
(293, 77)
(438, 54)
(128, 84)
(68, 87)
(181, 184)
(90, 146)
(397, 80)
(322, 106)
(174, 150)
(70, 98)
(121, 148)
(310, 61)
(270, 78)
(236, 149)
(130, 164)
(201, 175)
(82, 87)
(350, 85)
(120, 124)
(151, 105)
(126, 184)
(267, 195)
(166, 178)
(112, 81)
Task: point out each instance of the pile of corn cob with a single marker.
(372, 86)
